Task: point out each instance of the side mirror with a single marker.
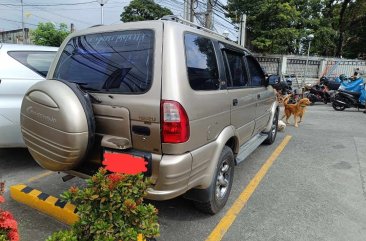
(273, 79)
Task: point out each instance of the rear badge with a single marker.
(124, 163)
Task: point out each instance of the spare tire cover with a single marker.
(57, 124)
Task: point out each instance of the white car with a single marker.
(21, 66)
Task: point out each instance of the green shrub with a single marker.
(111, 208)
(64, 235)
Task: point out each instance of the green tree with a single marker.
(352, 29)
(273, 26)
(140, 10)
(47, 34)
(279, 26)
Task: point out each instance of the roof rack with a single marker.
(178, 19)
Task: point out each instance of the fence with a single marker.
(315, 68)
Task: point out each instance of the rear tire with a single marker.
(336, 106)
(221, 184)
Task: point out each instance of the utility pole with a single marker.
(185, 9)
(188, 13)
(191, 10)
(209, 22)
(242, 31)
(102, 2)
(187, 6)
(24, 39)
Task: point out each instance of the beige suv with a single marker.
(190, 102)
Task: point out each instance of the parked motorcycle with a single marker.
(332, 84)
(318, 93)
(350, 95)
(283, 89)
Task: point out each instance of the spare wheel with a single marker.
(57, 124)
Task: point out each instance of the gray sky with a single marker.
(86, 13)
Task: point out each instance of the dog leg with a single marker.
(287, 117)
(300, 118)
(295, 118)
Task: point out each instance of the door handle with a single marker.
(141, 130)
(235, 102)
(258, 96)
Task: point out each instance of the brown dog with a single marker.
(297, 109)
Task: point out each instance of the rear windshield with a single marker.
(117, 62)
(38, 61)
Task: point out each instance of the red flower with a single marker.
(73, 189)
(9, 224)
(5, 215)
(13, 236)
(114, 179)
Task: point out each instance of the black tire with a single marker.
(312, 99)
(273, 132)
(336, 106)
(221, 184)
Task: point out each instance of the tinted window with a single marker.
(201, 63)
(235, 64)
(38, 61)
(118, 62)
(256, 72)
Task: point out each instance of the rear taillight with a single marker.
(174, 122)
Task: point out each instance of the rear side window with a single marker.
(201, 63)
(38, 61)
(117, 62)
(237, 72)
(256, 72)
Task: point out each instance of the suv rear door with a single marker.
(121, 68)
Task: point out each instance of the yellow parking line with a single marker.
(42, 175)
(230, 216)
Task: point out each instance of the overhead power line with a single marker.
(62, 15)
(46, 5)
(13, 21)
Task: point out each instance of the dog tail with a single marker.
(286, 99)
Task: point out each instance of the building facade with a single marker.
(15, 36)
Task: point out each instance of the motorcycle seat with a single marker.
(355, 94)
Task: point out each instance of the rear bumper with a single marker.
(172, 178)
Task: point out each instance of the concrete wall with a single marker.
(15, 36)
(309, 70)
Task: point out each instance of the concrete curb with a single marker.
(52, 206)
(62, 211)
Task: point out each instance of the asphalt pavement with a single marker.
(315, 189)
